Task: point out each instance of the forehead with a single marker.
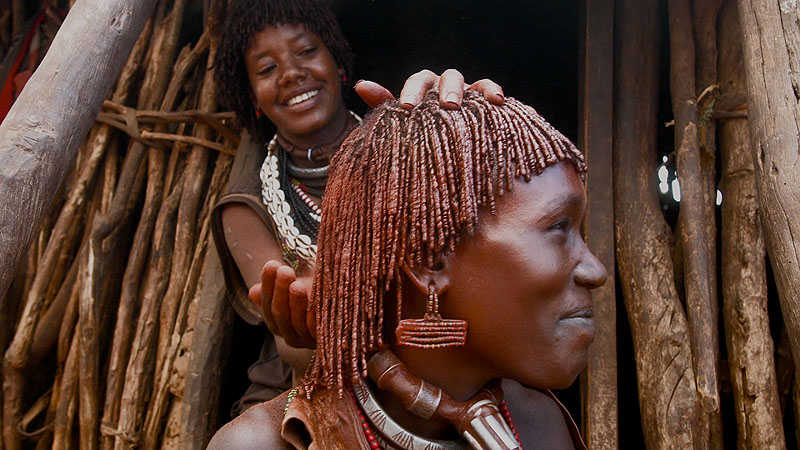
(276, 37)
(557, 188)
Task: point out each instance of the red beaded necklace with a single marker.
(372, 439)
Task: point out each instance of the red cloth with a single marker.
(18, 75)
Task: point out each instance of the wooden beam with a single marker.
(771, 41)
(599, 381)
(53, 114)
(693, 231)
(744, 278)
(667, 393)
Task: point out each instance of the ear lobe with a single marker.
(252, 96)
(422, 276)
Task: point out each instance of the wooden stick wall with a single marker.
(119, 310)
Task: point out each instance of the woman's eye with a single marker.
(308, 51)
(561, 225)
(267, 69)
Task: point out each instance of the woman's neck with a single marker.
(458, 381)
(331, 133)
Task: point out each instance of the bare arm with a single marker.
(282, 296)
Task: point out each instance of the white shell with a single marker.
(275, 201)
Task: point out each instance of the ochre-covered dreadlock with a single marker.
(405, 186)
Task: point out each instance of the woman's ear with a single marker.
(422, 277)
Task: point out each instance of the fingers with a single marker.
(415, 88)
(451, 89)
(490, 90)
(266, 291)
(372, 93)
(299, 293)
(278, 313)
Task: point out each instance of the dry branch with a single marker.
(189, 140)
(750, 347)
(130, 295)
(771, 40)
(667, 393)
(210, 345)
(159, 402)
(186, 235)
(700, 306)
(140, 364)
(599, 380)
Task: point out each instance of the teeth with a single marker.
(302, 97)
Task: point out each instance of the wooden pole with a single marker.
(750, 346)
(667, 393)
(771, 43)
(704, 15)
(53, 114)
(700, 306)
(599, 381)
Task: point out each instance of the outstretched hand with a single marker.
(450, 85)
(283, 298)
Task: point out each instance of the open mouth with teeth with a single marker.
(302, 97)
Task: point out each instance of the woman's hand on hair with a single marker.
(450, 84)
(283, 298)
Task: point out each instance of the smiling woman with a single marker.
(469, 219)
(297, 84)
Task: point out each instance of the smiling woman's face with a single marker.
(296, 82)
(523, 282)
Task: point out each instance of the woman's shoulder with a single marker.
(258, 427)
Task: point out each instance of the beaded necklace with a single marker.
(296, 217)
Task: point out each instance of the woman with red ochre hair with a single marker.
(450, 256)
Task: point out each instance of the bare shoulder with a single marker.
(257, 428)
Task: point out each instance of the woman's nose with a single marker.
(292, 71)
(590, 272)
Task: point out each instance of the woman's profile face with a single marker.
(523, 282)
(295, 80)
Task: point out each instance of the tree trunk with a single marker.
(667, 393)
(51, 117)
(599, 381)
(750, 347)
(771, 38)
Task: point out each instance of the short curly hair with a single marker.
(247, 17)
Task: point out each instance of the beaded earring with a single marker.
(432, 331)
(259, 113)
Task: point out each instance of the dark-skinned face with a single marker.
(296, 82)
(523, 283)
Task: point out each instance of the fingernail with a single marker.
(452, 98)
(500, 94)
(357, 83)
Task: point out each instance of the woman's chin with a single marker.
(560, 377)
